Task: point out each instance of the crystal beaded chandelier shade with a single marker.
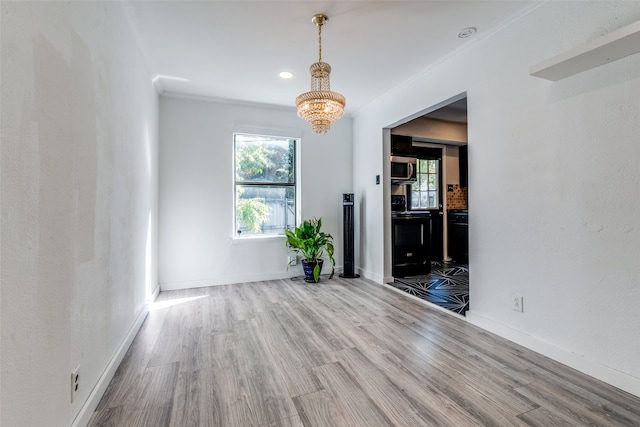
(321, 107)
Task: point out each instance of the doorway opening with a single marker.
(439, 196)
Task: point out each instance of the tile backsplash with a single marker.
(457, 199)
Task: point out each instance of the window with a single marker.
(265, 185)
(424, 192)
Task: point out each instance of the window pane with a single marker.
(264, 159)
(424, 202)
(432, 199)
(264, 209)
(415, 199)
(432, 182)
(433, 164)
(424, 182)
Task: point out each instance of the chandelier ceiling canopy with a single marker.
(320, 106)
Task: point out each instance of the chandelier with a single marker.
(320, 106)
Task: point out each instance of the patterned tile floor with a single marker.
(447, 286)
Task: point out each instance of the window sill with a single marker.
(257, 239)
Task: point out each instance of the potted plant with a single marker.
(309, 241)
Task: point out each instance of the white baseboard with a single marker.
(229, 280)
(371, 276)
(603, 373)
(85, 413)
(154, 294)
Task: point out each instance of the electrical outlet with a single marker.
(75, 382)
(293, 260)
(517, 303)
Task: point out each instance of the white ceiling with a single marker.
(235, 49)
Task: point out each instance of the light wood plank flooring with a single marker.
(339, 353)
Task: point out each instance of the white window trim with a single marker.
(278, 133)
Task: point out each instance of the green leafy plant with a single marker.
(309, 241)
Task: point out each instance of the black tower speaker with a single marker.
(349, 256)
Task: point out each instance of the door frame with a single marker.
(386, 190)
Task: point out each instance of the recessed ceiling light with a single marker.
(286, 74)
(467, 32)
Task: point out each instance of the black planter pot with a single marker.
(308, 267)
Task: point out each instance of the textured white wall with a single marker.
(196, 190)
(79, 201)
(554, 186)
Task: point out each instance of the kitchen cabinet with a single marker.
(458, 225)
(401, 145)
(435, 236)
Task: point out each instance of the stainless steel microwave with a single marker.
(403, 169)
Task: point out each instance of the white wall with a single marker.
(554, 186)
(79, 203)
(196, 190)
(433, 129)
(452, 165)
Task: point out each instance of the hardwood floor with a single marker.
(339, 353)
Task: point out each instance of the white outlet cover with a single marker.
(517, 303)
(75, 382)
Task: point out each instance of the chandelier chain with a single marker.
(320, 43)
